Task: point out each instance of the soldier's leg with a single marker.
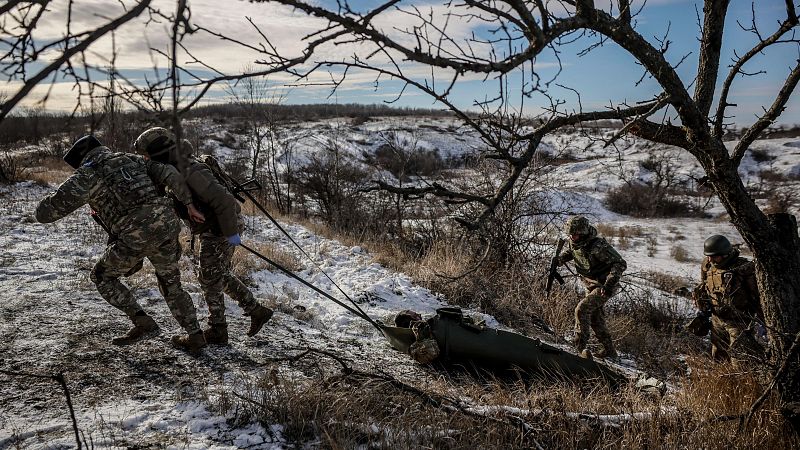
(601, 330)
(165, 261)
(117, 260)
(232, 285)
(744, 349)
(720, 340)
(583, 321)
(212, 275)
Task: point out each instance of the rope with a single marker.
(360, 313)
(279, 227)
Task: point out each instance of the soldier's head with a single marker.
(157, 144)
(577, 228)
(717, 248)
(80, 148)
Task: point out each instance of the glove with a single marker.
(235, 240)
(701, 324)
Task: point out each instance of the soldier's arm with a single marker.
(618, 265)
(565, 257)
(205, 185)
(166, 175)
(71, 195)
(700, 294)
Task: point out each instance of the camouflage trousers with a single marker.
(160, 246)
(589, 315)
(734, 340)
(216, 279)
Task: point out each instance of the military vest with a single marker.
(726, 286)
(122, 186)
(591, 261)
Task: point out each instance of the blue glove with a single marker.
(235, 240)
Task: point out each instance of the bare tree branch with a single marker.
(68, 53)
(785, 27)
(710, 45)
(769, 116)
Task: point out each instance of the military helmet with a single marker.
(717, 245)
(86, 143)
(577, 225)
(156, 142)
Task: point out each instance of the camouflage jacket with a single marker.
(115, 185)
(730, 288)
(213, 199)
(595, 260)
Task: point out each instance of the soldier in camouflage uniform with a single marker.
(600, 268)
(219, 235)
(121, 190)
(728, 290)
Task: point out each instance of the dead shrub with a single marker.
(680, 254)
(639, 200)
(650, 330)
(11, 170)
(781, 201)
(761, 155)
(666, 282)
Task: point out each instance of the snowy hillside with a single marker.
(150, 395)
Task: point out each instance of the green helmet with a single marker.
(156, 142)
(717, 245)
(577, 225)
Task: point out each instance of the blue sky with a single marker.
(609, 74)
(605, 75)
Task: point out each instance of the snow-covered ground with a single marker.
(150, 395)
(53, 320)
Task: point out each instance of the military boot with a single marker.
(258, 317)
(216, 334)
(143, 326)
(191, 343)
(608, 350)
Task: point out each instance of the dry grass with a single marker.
(245, 263)
(49, 171)
(331, 408)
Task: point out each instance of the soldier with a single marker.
(728, 291)
(600, 268)
(219, 235)
(121, 189)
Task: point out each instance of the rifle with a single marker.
(112, 238)
(553, 272)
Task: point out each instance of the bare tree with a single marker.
(519, 32)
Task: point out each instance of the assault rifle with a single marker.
(553, 272)
(112, 238)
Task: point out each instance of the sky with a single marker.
(604, 76)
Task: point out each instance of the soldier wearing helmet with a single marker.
(728, 290)
(600, 268)
(122, 191)
(219, 234)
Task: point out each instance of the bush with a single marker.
(639, 200)
(11, 170)
(680, 254)
(761, 155)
